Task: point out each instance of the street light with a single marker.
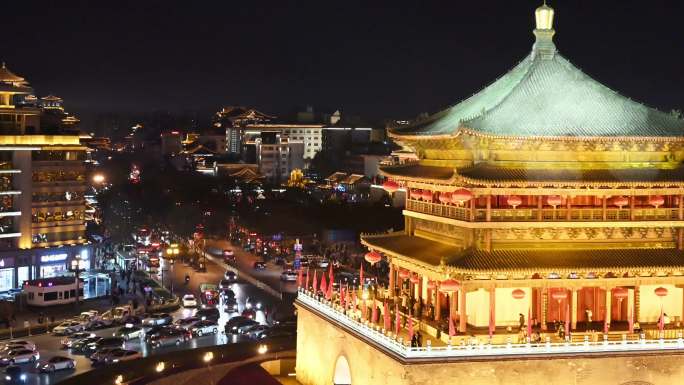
(98, 178)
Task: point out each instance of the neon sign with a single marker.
(53, 257)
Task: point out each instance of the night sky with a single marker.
(373, 58)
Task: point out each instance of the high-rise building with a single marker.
(42, 186)
(277, 156)
(234, 119)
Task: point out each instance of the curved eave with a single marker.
(562, 184)
(468, 131)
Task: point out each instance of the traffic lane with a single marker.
(214, 275)
(245, 262)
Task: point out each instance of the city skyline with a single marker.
(406, 59)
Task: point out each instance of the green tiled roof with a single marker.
(431, 252)
(549, 97)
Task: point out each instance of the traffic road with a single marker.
(50, 345)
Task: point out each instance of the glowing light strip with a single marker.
(484, 350)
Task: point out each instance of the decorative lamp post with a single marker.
(661, 292)
(656, 200)
(620, 202)
(390, 186)
(461, 196)
(514, 200)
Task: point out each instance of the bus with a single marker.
(209, 295)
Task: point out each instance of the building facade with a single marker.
(277, 156)
(43, 185)
(544, 221)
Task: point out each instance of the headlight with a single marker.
(23, 377)
(258, 305)
(8, 378)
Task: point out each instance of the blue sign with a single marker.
(297, 264)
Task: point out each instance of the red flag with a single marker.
(324, 286)
(361, 275)
(315, 283)
(331, 276)
(374, 314)
(386, 316)
(342, 296)
(397, 320)
(354, 300)
(661, 321)
(410, 328)
(329, 293)
(631, 320)
(300, 278)
(452, 329)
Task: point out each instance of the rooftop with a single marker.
(546, 95)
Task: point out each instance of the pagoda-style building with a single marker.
(544, 194)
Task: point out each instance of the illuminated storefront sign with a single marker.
(53, 258)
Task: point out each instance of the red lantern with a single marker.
(403, 274)
(445, 197)
(414, 279)
(431, 285)
(660, 292)
(620, 293)
(461, 196)
(449, 285)
(553, 200)
(427, 195)
(559, 295)
(518, 294)
(656, 200)
(373, 257)
(390, 186)
(514, 201)
(620, 201)
(416, 194)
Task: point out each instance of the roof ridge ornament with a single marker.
(543, 45)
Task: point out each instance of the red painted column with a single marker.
(463, 318)
(492, 308)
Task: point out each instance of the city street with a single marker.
(49, 345)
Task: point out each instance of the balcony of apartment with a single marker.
(57, 218)
(58, 177)
(62, 199)
(527, 214)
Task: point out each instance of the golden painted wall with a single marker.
(319, 344)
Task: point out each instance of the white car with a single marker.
(68, 327)
(19, 356)
(18, 344)
(57, 363)
(288, 276)
(203, 328)
(323, 263)
(189, 300)
(129, 331)
(122, 355)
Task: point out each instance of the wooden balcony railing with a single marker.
(547, 214)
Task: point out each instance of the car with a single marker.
(122, 355)
(68, 341)
(238, 326)
(252, 303)
(208, 314)
(230, 276)
(288, 276)
(254, 331)
(230, 305)
(323, 263)
(280, 260)
(131, 319)
(129, 331)
(100, 356)
(97, 324)
(16, 344)
(249, 313)
(204, 327)
(80, 345)
(109, 342)
(15, 375)
(186, 323)
(169, 336)
(68, 327)
(228, 256)
(227, 293)
(189, 300)
(304, 261)
(278, 332)
(225, 284)
(158, 319)
(19, 356)
(259, 265)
